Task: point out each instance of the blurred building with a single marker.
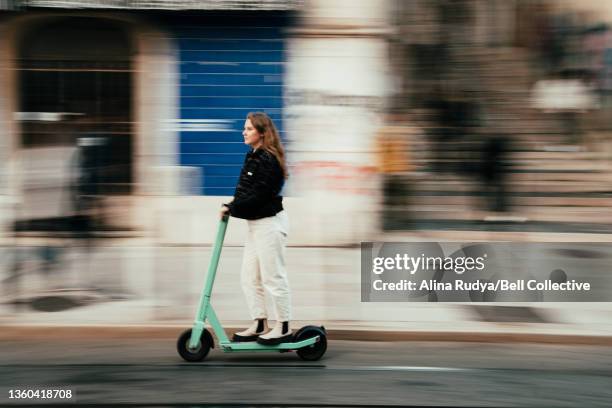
(162, 90)
(145, 101)
(123, 118)
(512, 99)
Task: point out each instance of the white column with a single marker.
(337, 82)
(156, 88)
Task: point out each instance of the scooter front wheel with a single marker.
(197, 354)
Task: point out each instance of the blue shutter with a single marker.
(227, 69)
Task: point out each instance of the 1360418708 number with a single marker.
(41, 393)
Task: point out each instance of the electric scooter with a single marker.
(309, 342)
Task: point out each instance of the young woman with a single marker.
(257, 199)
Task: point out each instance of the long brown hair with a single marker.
(270, 139)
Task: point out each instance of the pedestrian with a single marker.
(395, 167)
(257, 199)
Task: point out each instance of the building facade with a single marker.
(163, 89)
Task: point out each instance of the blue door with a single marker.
(229, 66)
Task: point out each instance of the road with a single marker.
(148, 372)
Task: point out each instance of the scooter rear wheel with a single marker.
(197, 354)
(315, 351)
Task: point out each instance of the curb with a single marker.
(84, 332)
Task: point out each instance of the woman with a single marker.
(257, 199)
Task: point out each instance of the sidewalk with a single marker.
(153, 291)
(589, 324)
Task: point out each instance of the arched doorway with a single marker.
(75, 115)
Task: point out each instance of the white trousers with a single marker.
(263, 267)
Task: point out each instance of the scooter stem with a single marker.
(214, 261)
(202, 312)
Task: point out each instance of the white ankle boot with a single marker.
(259, 326)
(281, 333)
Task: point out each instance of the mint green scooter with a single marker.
(309, 342)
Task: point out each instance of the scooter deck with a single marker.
(254, 346)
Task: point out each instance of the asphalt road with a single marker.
(145, 372)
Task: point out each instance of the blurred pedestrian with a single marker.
(257, 199)
(392, 145)
(494, 170)
(87, 187)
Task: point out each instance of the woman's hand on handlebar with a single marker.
(224, 213)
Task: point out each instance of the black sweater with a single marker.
(257, 194)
